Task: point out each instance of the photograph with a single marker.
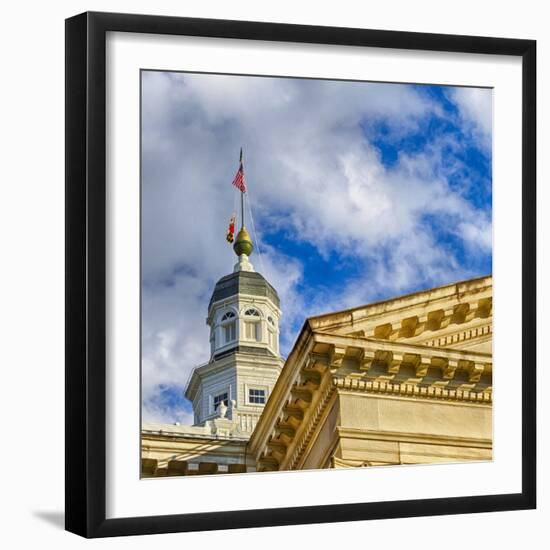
(316, 274)
(251, 253)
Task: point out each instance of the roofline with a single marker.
(236, 274)
(397, 298)
(178, 431)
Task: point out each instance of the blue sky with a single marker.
(360, 191)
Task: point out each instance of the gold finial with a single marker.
(243, 243)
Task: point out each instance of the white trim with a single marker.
(249, 298)
(248, 387)
(217, 393)
(247, 307)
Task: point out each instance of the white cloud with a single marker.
(476, 110)
(158, 414)
(311, 173)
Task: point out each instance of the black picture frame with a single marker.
(86, 274)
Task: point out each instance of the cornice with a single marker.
(309, 430)
(158, 435)
(272, 411)
(331, 363)
(346, 346)
(411, 317)
(414, 390)
(480, 332)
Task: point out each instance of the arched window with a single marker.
(229, 327)
(252, 325)
(271, 321)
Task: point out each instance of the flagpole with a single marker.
(242, 193)
(242, 210)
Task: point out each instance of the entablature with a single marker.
(331, 364)
(452, 314)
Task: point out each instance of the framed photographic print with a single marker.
(300, 274)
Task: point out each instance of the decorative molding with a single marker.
(381, 367)
(414, 390)
(414, 326)
(483, 331)
(312, 425)
(410, 315)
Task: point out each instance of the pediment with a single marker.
(457, 316)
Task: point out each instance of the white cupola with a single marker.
(243, 316)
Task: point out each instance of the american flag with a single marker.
(238, 182)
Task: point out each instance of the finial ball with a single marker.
(243, 243)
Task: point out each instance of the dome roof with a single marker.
(244, 282)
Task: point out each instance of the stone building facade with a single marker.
(404, 381)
